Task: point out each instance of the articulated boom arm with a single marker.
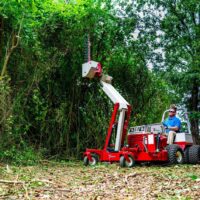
(114, 95)
(93, 69)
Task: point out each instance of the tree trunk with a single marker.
(15, 38)
(194, 101)
(1, 37)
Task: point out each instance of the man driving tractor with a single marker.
(172, 124)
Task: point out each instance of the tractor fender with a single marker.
(88, 154)
(127, 154)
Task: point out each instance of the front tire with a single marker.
(124, 163)
(175, 154)
(92, 162)
(194, 154)
(85, 161)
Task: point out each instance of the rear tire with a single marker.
(124, 163)
(194, 154)
(186, 155)
(175, 154)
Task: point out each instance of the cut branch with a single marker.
(12, 182)
(23, 182)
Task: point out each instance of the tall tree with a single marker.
(172, 28)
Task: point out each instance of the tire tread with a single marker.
(172, 149)
(194, 154)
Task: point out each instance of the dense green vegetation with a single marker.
(47, 109)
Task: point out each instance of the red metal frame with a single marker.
(183, 145)
(98, 72)
(136, 148)
(112, 121)
(136, 151)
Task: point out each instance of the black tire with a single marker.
(194, 154)
(85, 161)
(124, 163)
(94, 161)
(186, 155)
(175, 154)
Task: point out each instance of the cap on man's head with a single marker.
(173, 108)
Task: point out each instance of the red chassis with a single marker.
(137, 149)
(145, 146)
(106, 156)
(142, 147)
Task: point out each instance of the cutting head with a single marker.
(91, 69)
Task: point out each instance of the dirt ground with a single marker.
(72, 180)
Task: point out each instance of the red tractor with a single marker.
(152, 143)
(145, 143)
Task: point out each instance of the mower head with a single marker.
(91, 69)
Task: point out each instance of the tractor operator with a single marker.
(172, 124)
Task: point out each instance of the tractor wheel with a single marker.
(124, 163)
(194, 154)
(85, 161)
(186, 155)
(175, 154)
(93, 162)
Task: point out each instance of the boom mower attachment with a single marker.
(91, 69)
